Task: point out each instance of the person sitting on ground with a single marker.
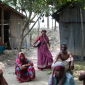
(24, 69)
(59, 75)
(2, 47)
(82, 77)
(2, 79)
(65, 57)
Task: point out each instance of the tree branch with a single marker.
(32, 26)
(28, 20)
(33, 17)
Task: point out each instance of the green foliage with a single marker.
(34, 31)
(78, 68)
(19, 23)
(48, 6)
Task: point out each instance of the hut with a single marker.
(11, 23)
(69, 20)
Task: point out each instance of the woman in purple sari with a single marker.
(45, 58)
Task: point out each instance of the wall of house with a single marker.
(70, 29)
(15, 26)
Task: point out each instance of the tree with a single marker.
(38, 7)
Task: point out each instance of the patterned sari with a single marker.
(45, 58)
(24, 75)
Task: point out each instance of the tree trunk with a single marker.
(21, 41)
(55, 26)
(24, 35)
(38, 27)
(82, 48)
(48, 22)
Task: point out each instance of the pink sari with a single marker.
(24, 75)
(45, 58)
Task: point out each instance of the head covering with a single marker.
(43, 30)
(18, 57)
(59, 65)
(19, 54)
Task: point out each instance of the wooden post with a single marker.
(2, 25)
(82, 30)
(55, 26)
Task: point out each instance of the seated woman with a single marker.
(59, 75)
(82, 77)
(2, 79)
(2, 47)
(24, 68)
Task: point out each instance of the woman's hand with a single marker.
(33, 45)
(19, 65)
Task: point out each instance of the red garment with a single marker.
(38, 38)
(0, 43)
(24, 75)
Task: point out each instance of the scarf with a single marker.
(53, 80)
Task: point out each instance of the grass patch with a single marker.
(79, 67)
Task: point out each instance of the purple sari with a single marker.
(45, 58)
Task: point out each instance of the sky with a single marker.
(44, 24)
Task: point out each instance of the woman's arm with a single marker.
(47, 42)
(36, 41)
(29, 64)
(23, 67)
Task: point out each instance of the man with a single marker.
(65, 57)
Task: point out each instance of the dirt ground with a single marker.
(7, 63)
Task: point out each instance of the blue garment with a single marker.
(69, 80)
(2, 48)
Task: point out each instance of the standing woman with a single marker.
(24, 69)
(45, 58)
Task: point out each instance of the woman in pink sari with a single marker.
(45, 58)
(24, 68)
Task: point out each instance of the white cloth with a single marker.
(65, 62)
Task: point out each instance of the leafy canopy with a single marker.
(37, 6)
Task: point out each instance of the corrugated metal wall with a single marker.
(15, 26)
(70, 29)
